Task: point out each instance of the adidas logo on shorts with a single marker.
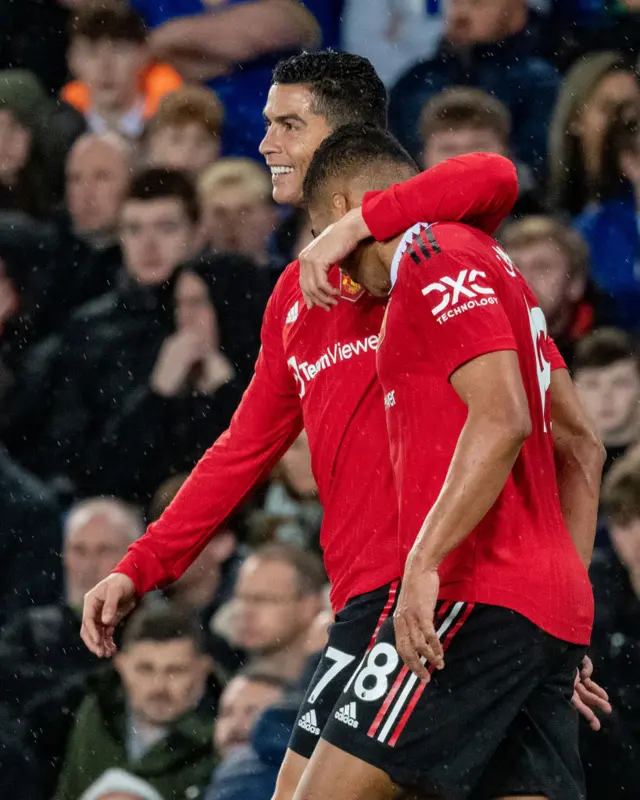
(309, 722)
(347, 714)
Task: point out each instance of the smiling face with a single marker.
(294, 132)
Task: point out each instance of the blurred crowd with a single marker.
(138, 246)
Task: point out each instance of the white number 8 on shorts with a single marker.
(380, 663)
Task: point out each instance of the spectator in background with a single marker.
(238, 212)
(151, 716)
(591, 91)
(611, 227)
(487, 44)
(466, 120)
(32, 145)
(185, 132)
(610, 766)
(30, 541)
(116, 784)
(87, 258)
(44, 644)
(42, 658)
(278, 594)
(116, 86)
(291, 510)
(606, 371)
(399, 34)
(554, 260)
(241, 703)
(233, 46)
(164, 426)
(111, 344)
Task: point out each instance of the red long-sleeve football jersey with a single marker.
(317, 369)
(457, 296)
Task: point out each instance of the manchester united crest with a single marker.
(349, 289)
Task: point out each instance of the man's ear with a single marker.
(340, 203)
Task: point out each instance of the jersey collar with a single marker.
(401, 249)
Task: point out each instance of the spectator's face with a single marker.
(296, 468)
(15, 143)
(97, 175)
(111, 70)
(546, 269)
(238, 220)
(476, 21)
(162, 680)
(241, 704)
(616, 88)
(294, 133)
(94, 544)
(270, 613)
(194, 311)
(190, 148)
(611, 397)
(157, 235)
(626, 543)
(459, 142)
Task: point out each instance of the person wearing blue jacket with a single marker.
(232, 46)
(490, 49)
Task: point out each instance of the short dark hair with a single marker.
(308, 567)
(353, 150)
(157, 183)
(621, 490)
(462, 107)
(603, 347)
(346, 88)
(108, 19)
(164, 622)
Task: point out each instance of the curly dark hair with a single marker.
(346, 87)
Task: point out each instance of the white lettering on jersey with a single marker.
(390, 399)
(507, 263)
(538, 326)
(292, 316)
(305, 371)
(465, 285)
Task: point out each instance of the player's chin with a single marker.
(287, 191)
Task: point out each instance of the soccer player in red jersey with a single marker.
(495, 610)
(316, 370)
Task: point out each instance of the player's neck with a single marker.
(386, 251)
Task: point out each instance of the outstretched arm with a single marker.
(206, 45)
(479, 189)
(264, 426)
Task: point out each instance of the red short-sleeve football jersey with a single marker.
(457, 296)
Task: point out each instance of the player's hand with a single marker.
(416, 637)
(329, 248)
(178, 355)
(105, 606)
(588, 695)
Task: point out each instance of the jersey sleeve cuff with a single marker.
(461, 355)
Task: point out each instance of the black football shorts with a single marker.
(496, 721)
(351, 635)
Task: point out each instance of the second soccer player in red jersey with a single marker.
(496, 608)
